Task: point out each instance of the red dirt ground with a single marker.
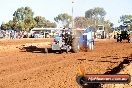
(40, 70)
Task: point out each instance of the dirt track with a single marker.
(39, 70)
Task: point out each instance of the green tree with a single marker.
(81, 22)
(23, 18)
(96, 15)
(42, 22)
(64, 19)
(108, 26)
(50, 24)
(96, 12)
(124, 18)
(99, 12)
(89, 13)
(4, 26)
(23, 13)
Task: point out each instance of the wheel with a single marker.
(68, 48)
(121, 40)
(129, 40)
(118, 38)
(46, 50)
(60, 51)
(75, 45)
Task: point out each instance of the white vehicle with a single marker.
(38, 35)
(46, 32)
(100, 33)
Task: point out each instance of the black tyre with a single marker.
(129, 40)
(46, 50)
(60, 51)
(68, 49)
(118, 38)
(121, 39)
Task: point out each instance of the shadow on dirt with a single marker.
(105, 61)
(106, 57)
(115, 70)
(118, 68)
(35, 49)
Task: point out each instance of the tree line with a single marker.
(126, 20)
(23, 19)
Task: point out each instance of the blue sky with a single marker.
(51, 8)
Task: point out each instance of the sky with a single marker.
(51, 8)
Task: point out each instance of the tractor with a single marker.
(123, 34)
(66, 41)
(72, 40)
